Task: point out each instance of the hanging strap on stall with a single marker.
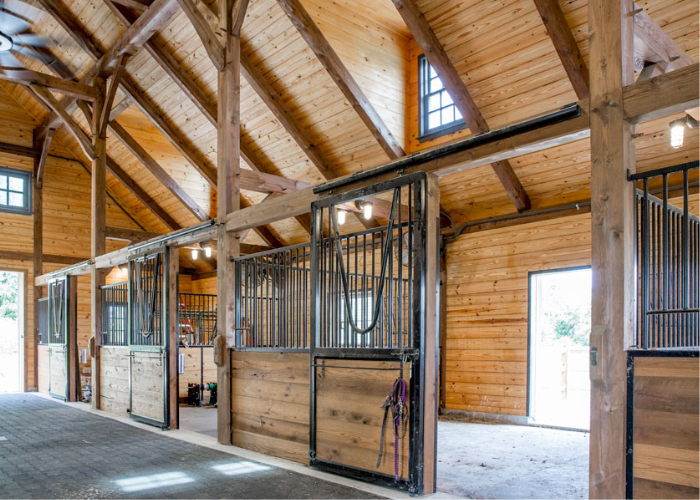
(385, 260)
(396, 402)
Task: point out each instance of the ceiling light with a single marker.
(677, 131)
(5, 42)
(195, 254)
(367, 210)
(207, 249)
(341, 216)
(124, 270)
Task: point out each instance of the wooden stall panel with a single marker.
(270, 401)
(666, 455)
(349, 415)
(43, 358)
(114, 380)
(58, 376)
(147, 396)
(199, 368)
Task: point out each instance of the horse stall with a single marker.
(134, 357)
(334, 362)
(663, 452)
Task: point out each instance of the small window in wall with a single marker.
(15, 191)
(438, 113)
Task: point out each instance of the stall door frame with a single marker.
(58, 341)
(415, 355)
(161, 348)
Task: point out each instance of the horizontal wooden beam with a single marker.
(47, 258)
(662, 95)
(53, 83)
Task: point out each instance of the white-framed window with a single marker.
(438, 113)
(15, 191)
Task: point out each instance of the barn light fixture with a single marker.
(366, 209)
(341, 216)
(678, 129)
(195, 253)
(207, 249)
(124, 270)
(5, 42)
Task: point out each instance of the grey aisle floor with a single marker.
(49, 450)
(477, 460)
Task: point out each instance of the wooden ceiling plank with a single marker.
(168, 63)
(330, 60)
(56, 84)
(205, 33)
(440, 61)
(565, 44)
(141, 194)
(63, 16)
(157, 170)
(132, 4)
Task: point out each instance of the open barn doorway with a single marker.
(560, 326)
(11, 331)
(196, 329)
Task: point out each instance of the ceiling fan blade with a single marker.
(8, 60)
(11, 23)
(29, 39)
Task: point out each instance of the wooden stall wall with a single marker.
(270, 402)
(665, 427)
(114, 380)
(199, 368)
(43, 369)
(487, 308)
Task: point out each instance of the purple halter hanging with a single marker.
(396, 401)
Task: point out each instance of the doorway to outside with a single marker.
(560, 326)
(11, 331)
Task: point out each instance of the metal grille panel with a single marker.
(115, 314)
(146, 281)
(196, 319)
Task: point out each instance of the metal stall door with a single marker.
(58, 338)
(367, 334)
(148, 363)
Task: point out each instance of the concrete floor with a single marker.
(200, 420)
(477, 460)
(50, 450)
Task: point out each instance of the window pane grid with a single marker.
(15, 191)
(438, 110)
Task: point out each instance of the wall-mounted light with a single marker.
(367, 209)
(195, 254)
(678, 129)
(341, 216)
(207, 249)
(124, 270)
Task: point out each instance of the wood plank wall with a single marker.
(665, 443)
(487, 308)
(270, 401)
(114, 380)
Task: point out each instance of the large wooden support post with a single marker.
(97, 233)
(612, 214)
(173, 267)
(231, 15)
(443, 323)
(431, 345)
(37, 270)
(72, 340)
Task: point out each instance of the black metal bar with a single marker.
(664, 171)
(566, 113)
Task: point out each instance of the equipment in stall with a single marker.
(195, 394)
